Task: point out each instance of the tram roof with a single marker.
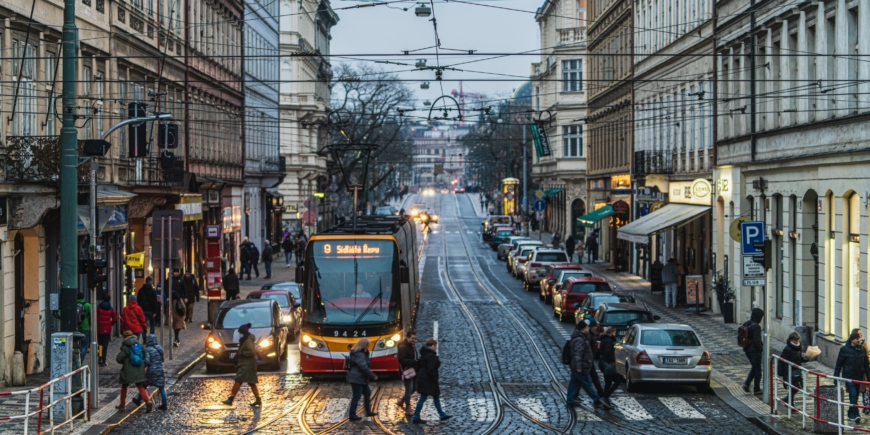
(370, 224)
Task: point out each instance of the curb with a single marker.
(767, 423)
(106, 427)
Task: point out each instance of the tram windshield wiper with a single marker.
(379, 297)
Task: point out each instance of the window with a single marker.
(572, 75)
(572, 141)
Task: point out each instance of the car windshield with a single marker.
(626, 317)
(552, 257)
(384, 211)
(259, 316)
(565, 275)
(505, 232)
(294, 289)
(352, 282)
(669, 337)
(500, 220)
(283, 300)
(589, 287)
(525, 253)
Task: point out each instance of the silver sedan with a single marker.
(662, 353)
(506, 247)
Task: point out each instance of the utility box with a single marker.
(61, 364)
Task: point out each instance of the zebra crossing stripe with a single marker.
(681, 408)
(336, 410)
(584, 415)
(481, 410)
(630, 408)
(533, 407)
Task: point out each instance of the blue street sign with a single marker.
(540, 205)
(751, 232)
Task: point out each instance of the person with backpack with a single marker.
(428, 384)
(570, 243)
(84, 310)
(230, 283)
(132, 360)
(147, 298)
(607, 363)
(106, 318)
(179, 314)
(301, 242)
(593, 344)
(408, 365)
(579, 358)
(154, 373)
(246, 367)
(792, 353)
(287, 245)
(853, 363)
(267, 256)
(749, 338)
(670, 277)
(359, 373)
(132, 317)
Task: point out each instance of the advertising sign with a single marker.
(698, 192)
(695, 289)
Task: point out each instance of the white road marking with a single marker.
(533, 407)
(630, 408)
(681, 407)
(584, 415)
(336, 410)
(481, 410)
(470, 232)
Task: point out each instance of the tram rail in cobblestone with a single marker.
(304, 400)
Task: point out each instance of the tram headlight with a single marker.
(396, 337)
(312, 344)
(306, 339)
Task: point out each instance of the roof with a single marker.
(624, 306)
(235, 303)
(588, 279)
(267, 291)
(679, 326)
(566, 266)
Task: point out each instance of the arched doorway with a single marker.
(578, 209)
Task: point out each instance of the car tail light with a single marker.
(536, 264)
(643, 358)
(705, 359)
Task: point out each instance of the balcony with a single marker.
(652, 162)
(151, 172)
(33, 159)
(571, 36)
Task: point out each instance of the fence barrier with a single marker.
(69, 417)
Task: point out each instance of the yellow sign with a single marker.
(319, 195)
(136, 260)
(735, 227)
(352, 249)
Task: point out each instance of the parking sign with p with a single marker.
(751, 232)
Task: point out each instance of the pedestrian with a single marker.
(191, 293)
(670, 276)
(591, 246)
(570, 243)
(288, 247)
(106, 319)
(358, 377)
(254, 260)
(147, 298)
(607, 363)
(267, 258)
(581, 365)
(853, 363)
(230, 283)
(301, 242)
(154, 373)
(556, 240)
(132, 317)
(593, 344)
(792, 353)
(427, 384)
(581, 251)
(84, 325)
(245, 258)
(754, 349)
(246, 367)
(408, 365)
(179, 314)
(132, 360)
(178, 284)
(865, 394)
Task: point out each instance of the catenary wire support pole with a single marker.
(68, 175)
(94, 378)
(526, 220)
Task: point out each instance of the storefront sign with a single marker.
(696, 192)
(136, 260)
(212, 232)
(701, 188)
(191, 206)
(620, 207)
(291, 208)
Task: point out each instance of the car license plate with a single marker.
(621, 332)
(231, 355)
(675, 361)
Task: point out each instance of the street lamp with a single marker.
(423, 10)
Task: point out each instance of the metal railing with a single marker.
(68, 416)
(793, 390)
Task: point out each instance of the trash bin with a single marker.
(828, 411)
(213, 304)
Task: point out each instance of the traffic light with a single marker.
(766, 248)
(128, 278)
(97, 273)
(137, 134)
(167, 135)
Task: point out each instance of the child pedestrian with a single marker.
(154, 373)
(132, 359)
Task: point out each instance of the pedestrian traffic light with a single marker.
(97, 273)
(128, 278)
(85, 266)
(766, 250)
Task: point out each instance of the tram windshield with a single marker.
(352, 282)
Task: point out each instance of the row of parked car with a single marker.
(646, 351)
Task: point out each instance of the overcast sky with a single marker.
(484, 28)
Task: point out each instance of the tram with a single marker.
(358, 283)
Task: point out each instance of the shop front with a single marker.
(273, 210)
(191, 207)
(231, 201)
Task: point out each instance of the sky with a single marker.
(481, 27)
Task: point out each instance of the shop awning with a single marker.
(588, 220)
(550, 192)
(663, 219)
(107, 195)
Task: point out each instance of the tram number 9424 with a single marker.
(355, 334)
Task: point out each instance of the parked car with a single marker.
(291, 309)
(520, 259)
(490, 221)
(536, 266)
(663, 353)
(511, 255)
(222, 342)
(621, 315)
(549, 281)
(573, 292)
(507, 245)
(500, 235)
(294, 289)
(592, 302)
(494, 229)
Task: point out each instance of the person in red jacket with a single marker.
(106, 318)
(133, 318)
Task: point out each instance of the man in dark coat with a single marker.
(755, 350)
(230, 283)
(253, 260)
(267, 258)
(570, 243)
(245, 259)
(408, 359)
(147, 298)
(592, 247)
(581, 366)
(427, 381)
(852, 362)
(288, 246)
(191, 292)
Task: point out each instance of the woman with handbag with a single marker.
(246, 366)
(409, 364)
(792, 353)
(607, 363)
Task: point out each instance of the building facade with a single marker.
(560, 103)
(305, 73)
(794, 156)
(438, 153)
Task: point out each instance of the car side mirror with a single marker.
(576, 304)
(657, 318)
(406, 274)
(300, 275)
(206, 326)
(551, 281)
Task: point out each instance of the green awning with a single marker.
(550, 192)
(588, 220)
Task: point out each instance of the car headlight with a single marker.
(266, 342)
(287, 318)
(213, 343)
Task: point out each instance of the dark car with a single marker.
(291, 309)
(592, 302)
(622, 316)
(222, 342)
(574, 291)
(294, 289)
